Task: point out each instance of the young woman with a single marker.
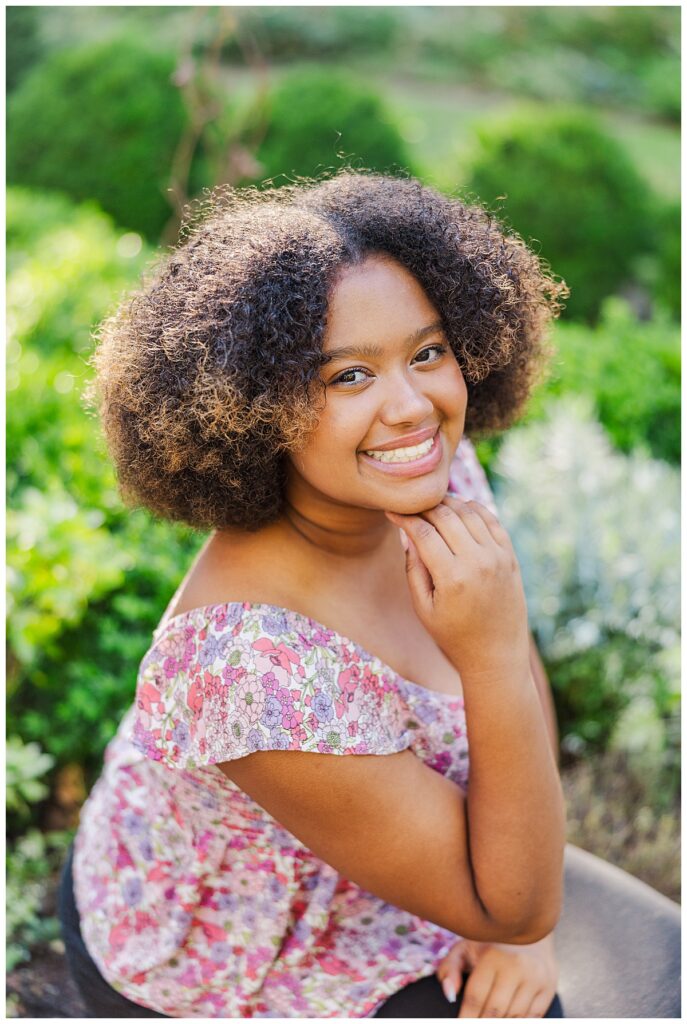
(286, 824)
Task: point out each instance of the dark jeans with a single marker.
(423, 998)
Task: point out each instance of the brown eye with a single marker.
(440, 349)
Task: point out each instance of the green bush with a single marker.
(87, 579)
(630, 369)
(316, 115)
(24, 44)
(570, 187)
(30, 863)
(298, 33)
(666, 284)
(100, 122)
(597, 535)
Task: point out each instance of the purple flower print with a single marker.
(146, 849)
(279, 740)
(220, 952)
(255, 740)
(181, 735)
(322, 706)
(132, 890)
(227, 901)
(233, 613)
(275, 888)
(274, 623)
(182, 919)
(301, 930)
(271, 716)
(134, 823)
(210, 651)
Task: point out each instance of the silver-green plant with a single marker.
(597, 536)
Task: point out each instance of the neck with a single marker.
(332, 529)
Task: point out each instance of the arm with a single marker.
(541, 681)
(486, 865)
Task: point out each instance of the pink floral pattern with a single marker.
(193, 900)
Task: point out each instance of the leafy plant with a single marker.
(100, 122)
(563, 181)
(597, 536)
(31, 862)
(25, 766)
(630, 369)
(318, 117)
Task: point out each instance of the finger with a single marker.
(521, 1001)
(453, 522)
(476, 991)
(500, 996)
(419, 579)
(431, 546)
(541, 1002)
(450, 970)
(493, 524)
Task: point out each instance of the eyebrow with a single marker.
(376, 351)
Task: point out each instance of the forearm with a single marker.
(515, 808)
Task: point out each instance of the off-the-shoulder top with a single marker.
(193, 900)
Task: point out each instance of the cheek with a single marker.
(337, 436)
(450, 391)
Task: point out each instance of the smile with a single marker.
(403, 454)
(413, 460)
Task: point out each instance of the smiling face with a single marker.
(395, 398)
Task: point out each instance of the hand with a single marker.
(505, 981)
(465, 585)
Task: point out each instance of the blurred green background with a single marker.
(565, 123)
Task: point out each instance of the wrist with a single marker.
(510, 668)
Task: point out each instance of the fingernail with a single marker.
(404, 539)
(449, 989)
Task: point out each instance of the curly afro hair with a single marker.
(209, 374)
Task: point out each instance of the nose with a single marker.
(405, 402)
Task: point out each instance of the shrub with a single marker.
(24, 45)
(572, 188)
(100, 122)
(597, 537)
(298, 33)
(316, 115)
(666, 286)
(630, 369)
(87, 579)
(31, 861)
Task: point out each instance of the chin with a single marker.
(424, 499)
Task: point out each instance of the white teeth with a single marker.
(403, 454)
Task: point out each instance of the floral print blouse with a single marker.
(193, 900)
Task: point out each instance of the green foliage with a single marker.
(25, 765)
(630, 369)
(666, 284)
(30, 863)
(319, 118)
(100, 122)
(32, 857)
(24, 45)
(296, 33)
(87, 579)
(570, 187)
(597, 536)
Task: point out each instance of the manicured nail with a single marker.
(449, 988)
(404, 539)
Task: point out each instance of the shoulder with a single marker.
(223, 681)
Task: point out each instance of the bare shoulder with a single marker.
(238, 566)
